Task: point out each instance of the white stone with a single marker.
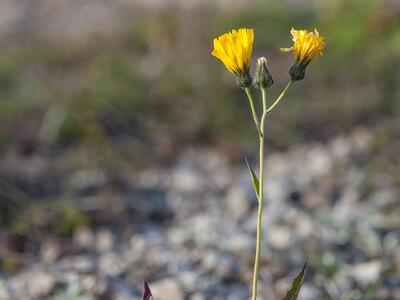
(366, 273)
(167, 289)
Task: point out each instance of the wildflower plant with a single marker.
(234, 49)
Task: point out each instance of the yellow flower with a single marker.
(307, 45)
(234, 50)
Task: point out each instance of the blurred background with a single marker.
(122, 144)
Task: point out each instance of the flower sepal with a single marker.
(244, 80)
(298, 70)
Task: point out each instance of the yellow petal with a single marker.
(306, 45)
(234, 49)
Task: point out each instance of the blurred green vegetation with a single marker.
(158, 86)
(28, 227)
(137, 98)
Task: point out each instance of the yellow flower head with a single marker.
(234, 50)
(307, 45)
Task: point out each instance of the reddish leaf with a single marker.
(146, 295)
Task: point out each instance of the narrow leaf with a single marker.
(293, 292)
(146, 295)
(256, 183)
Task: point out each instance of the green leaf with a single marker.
(293, 292)
(256, 183)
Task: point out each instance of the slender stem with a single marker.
(253, 110)
(260, 196)
(261, 181)
(280, 96)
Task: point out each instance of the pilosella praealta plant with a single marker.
(234, 50)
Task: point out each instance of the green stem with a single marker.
(260, 196)
(280, 96)
(261, 181)
(253, 110)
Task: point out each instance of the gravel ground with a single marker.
(191, 230)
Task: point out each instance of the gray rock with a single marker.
(189, 280)
(224, 265)
(366, 273)
(237, 292)
(280, 237)
(197, 296)
(35, 284)
(240, 243)
(4, 290)
(104, 240)
(309, 292)
(167, 288)
(80, 264)
(86, 179)
(239, 200)
(111, 264)
(122, 292)
(84, 237)
(187, 179)
(50, 251)
(41, 284)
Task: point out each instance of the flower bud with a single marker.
(263, 78)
